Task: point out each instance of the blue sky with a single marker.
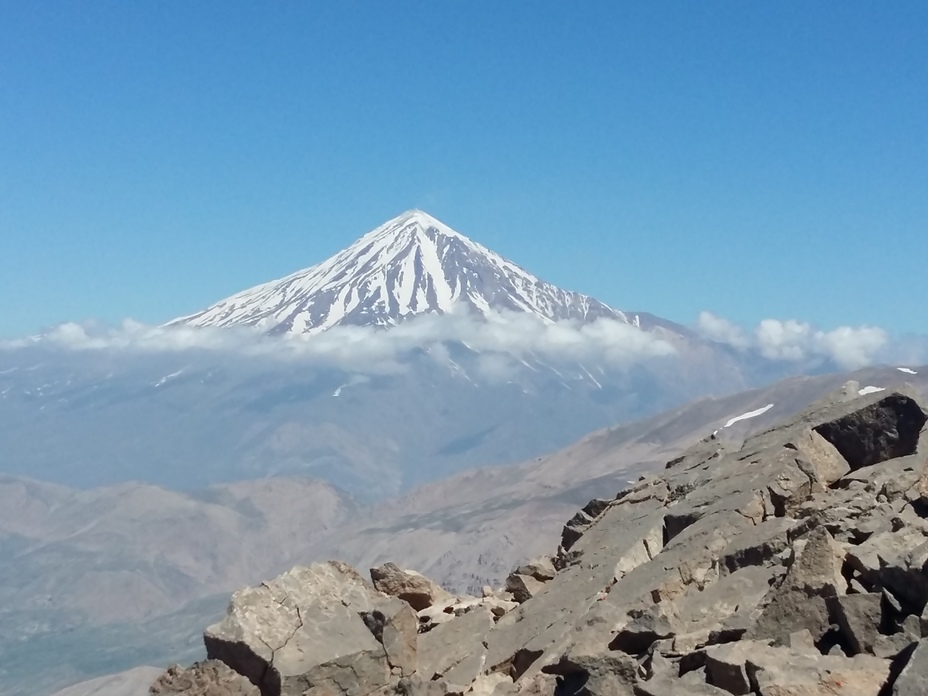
(751, 159)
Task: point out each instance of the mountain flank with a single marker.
(792, 565)
(470, 529)
(413, 264)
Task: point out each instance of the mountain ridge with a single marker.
(411, 265)
(791, 564)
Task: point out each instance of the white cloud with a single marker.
(504, 339)
(721, 330)
(513, 336)
(783, 340)
(847, 346)
(852, 347)
(796, 341)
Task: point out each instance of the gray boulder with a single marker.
(541, 568)
(408, 585)
(523, 587)
(800, 602)
(913, 679)
(305, 631)
(455, 650)
(859, 617)
(883, 430)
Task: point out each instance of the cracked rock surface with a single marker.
(795, 566)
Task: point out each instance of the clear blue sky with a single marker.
(756, 159)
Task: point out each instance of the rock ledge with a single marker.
(796, 566)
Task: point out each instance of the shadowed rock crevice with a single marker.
(247, 663)
(676, 523)
(521, 661)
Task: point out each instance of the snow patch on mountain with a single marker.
(169, 377)
(413, 264)
(745, 416)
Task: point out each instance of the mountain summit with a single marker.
(413, 264)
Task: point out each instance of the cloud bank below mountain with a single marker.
(499, 338)
(515, 335)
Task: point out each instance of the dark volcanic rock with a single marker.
(881, 431)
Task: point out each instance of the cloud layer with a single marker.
(513, 335)
(795, 341)
(500, 339)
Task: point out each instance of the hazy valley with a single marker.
(130, 574)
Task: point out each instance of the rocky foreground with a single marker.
(795, 566)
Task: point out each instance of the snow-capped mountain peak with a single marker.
(412, 264)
